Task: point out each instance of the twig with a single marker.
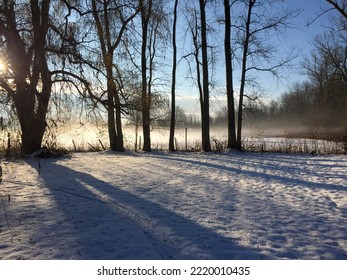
(94, 148)
(102, 145)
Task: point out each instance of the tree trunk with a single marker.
(146, 127)
(206, 145)
(32, 135)
(31, 113)
(114, 121)
(119, 129)
(229, 77)
(111, 88)
(173, 85)
(145, 14)
(111, 124)
(145, 102)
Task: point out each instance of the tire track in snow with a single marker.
(143, 224)
(161, 247)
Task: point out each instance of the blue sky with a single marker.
(304, 36)
(301, 38)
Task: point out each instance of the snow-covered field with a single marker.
(175, 206)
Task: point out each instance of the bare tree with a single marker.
(199, 63)
(28, 80)
(327, 73)
(154, 32)
(205, 121)
(331, 51)
(229, 76)
(146, 13)
(247, 36)
(32, 42)
(173, 82)
(328, 59)
(108, 15)
(193, 29)
(258, 52)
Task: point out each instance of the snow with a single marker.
(174, 206)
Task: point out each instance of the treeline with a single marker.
(319, 104)
(309, 109)
(304, 111)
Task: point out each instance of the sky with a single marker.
(300, 38)
(304, 36)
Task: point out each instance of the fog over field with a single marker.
(83, 137)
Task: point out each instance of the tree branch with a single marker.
(339, 8)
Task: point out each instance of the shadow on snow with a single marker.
(100, 215)
(154, 232)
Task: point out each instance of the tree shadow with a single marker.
(108, 222)
(258, 175)
(311, 222)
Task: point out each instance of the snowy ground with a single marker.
(175, 206)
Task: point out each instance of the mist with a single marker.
(257, 136)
